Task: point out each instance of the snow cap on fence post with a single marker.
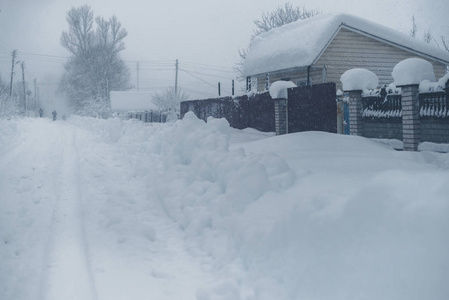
(279, 89)
(359, 79)
(355, 81)
(412, 71)
(407, 75)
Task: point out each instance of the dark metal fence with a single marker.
(382, 106)
(433, 105)
(241, 112)
(148, 116)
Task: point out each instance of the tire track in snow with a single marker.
(68, 274)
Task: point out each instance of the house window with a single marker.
(301, 82)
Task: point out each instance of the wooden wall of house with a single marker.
(298, 77)
(351, 50)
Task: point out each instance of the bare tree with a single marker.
(170, 98)
(428, 36)
(414, 29)
(280, 16)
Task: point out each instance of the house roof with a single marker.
(301, 43)
(124, 101)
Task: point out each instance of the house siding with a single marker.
(350, 50)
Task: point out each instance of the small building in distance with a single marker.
(136, 105)
(320, 49)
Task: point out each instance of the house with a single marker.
(322, 48)
(136, 105)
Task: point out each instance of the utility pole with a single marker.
(233, 87)
(176, 78)
(14, 53)
(23, 84)
(137, 68)
(219, 89)
(35, 94)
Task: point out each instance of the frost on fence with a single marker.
(381, 103)
(433, 98)
(433, 105)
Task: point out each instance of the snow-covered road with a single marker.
(112, 210)
(68, 236)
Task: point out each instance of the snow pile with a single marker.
(200, 211)
(278, 89)
(359, 79)
(426, 86)
(412, 71)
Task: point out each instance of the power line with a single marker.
(202, 80)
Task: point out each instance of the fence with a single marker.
(383, 115)
(147, 116)
(307, 108)
(241, 112)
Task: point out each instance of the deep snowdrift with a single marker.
(194, 210)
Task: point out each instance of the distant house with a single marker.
(322, 48)
(136, 105)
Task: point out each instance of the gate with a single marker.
(312, 108)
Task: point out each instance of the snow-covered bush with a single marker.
(96, 107)
(426, 86)
(412, 71)
(359, 79)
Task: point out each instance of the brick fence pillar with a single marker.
(411, 133)
(281, 119)
(355, 113)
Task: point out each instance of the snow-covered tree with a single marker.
(96, 107)
(280, 16)
(95, 67)
(9, 105)
(170, 98)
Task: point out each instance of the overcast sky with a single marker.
(205, 35)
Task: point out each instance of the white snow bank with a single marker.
(412, 71)
(178, 211)
(359, 79)
(278, 89)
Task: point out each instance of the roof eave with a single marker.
(391, 43)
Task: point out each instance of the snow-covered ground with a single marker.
(112, 209)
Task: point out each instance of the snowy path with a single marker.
(68, 274)
(116, 210)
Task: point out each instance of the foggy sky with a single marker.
(205, 35)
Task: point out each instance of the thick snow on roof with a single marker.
(124, 101)
(300, 44)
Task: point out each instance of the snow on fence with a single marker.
(309, 108)
(433, 104)
(415, 111)
(382, 105)
(147, 116)
(256, 111)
